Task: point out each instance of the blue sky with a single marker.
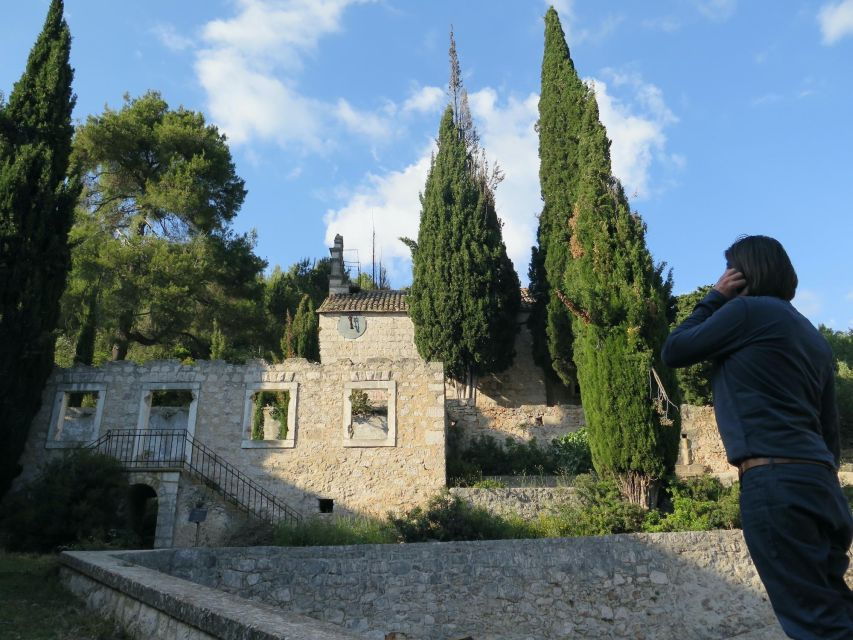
(726, 116)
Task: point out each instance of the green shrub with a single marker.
(483, 455)
(571, 453)
(699, 504)
(446, 518)
(600, 510)
(489, 483)
(331, 532)
(78, 499)
(279, 401)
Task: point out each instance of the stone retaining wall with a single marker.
(640, 586)
(527, 502)
(150, 604)
(523, 422)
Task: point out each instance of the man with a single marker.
(774, 400)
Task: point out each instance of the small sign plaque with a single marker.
(352, 326)
(198, 515)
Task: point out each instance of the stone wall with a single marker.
(703, 444)
(149, 604)
(523, 422)
(388, 335)
(319, 461)
(527, 502)
(639, 586)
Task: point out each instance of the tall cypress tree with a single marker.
(464, 296)
(620, 305)
(561, 107)
(37, 199)
(306, 331)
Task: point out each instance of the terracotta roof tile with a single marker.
(378, 301)
(527, 299)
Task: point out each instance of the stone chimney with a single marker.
(336, 277)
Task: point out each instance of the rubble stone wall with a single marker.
(666, 586)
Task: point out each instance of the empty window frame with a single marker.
(370, 414)
(269, 416)
(76, 415)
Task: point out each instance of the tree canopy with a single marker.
(465, 292)
(695, 380)
(561, 105)
(37, 196)
(621, 307)
(155, 259)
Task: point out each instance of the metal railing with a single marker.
(162, 450)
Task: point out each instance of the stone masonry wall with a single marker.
(523, 422)
(388, 335)
(705, 447)
(639, 586)
(527, 502)
(360, 479)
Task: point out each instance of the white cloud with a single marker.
(667, 24)
(390, 204)
(574, 33)
(767, 98)
(836, 21)
(849, 296)
(809, 303)
(507, 132)
(171, 39)
(363, 123)
(425, 100)
(248, 66)
(508, 135)
(716, 10)
(636, 129)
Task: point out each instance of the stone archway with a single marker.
(164, 485)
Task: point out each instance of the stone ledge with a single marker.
(219, 614)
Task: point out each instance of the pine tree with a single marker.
(37, 199)
(306, 331)
(620, 305)
(560, 111)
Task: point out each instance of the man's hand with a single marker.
(731, 284)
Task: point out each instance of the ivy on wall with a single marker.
(279, 402)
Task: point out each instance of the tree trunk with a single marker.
(122, 339)
(639, 488)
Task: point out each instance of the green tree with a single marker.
(218, 343)
(288, 345)
(464, 295)
(306, 331)
(695, 380)
(842, 348)
(620, 307)
(283, 291)
(561, 105)
(37, 197)
(153, 235)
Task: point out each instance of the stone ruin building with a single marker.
(361, 432)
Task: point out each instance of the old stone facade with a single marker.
(319, 459)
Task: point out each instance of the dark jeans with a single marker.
(798, 528)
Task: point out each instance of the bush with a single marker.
(571, 453)
(332, 532)
(446, 518)
(485, 456)
(600, 510)
(78, 499)
(699, 504)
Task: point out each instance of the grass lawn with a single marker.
(35, 606)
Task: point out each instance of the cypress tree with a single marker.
(306, 331)
(561, 101)
(287, 340)
(464, 296)
(620, 304)
(37, 199)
